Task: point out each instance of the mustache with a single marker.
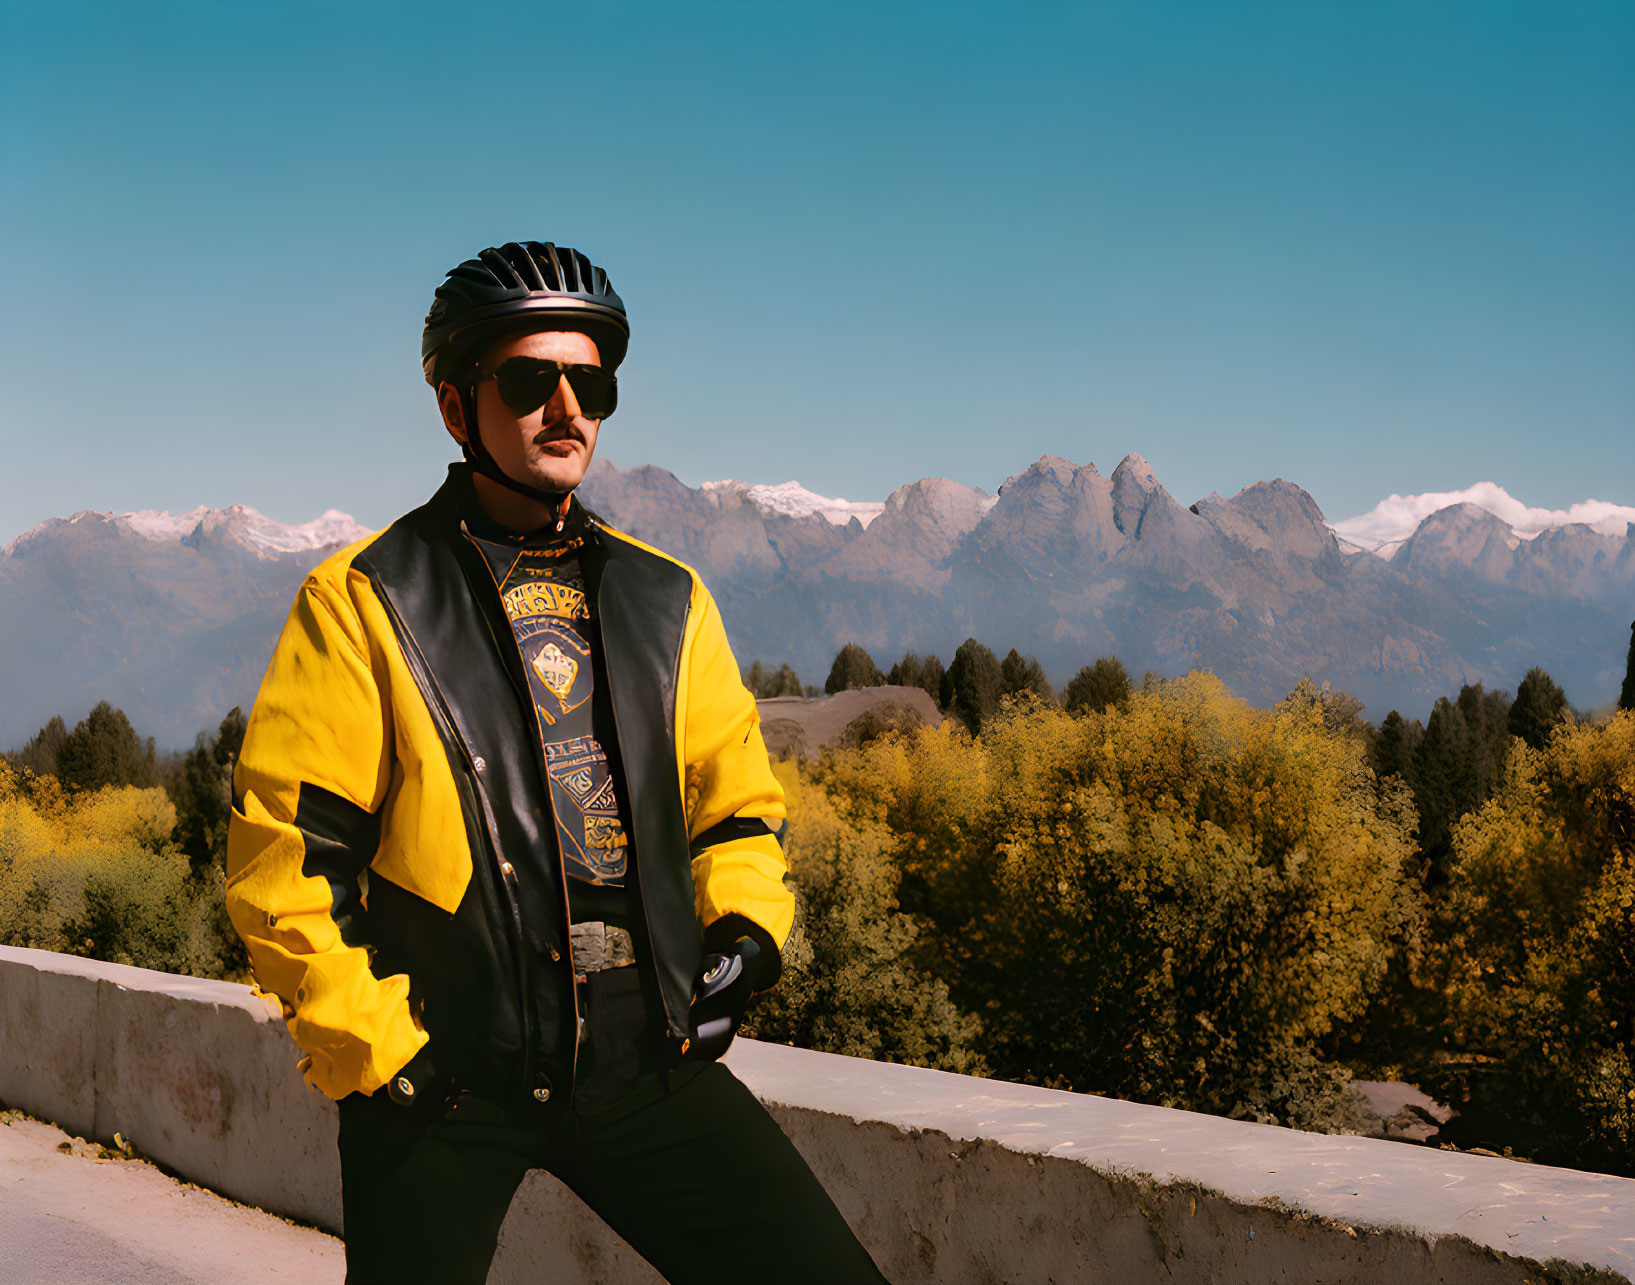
(556, 432)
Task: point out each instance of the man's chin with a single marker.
(556, 479)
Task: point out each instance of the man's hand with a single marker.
(744, 960)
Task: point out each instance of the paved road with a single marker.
(71, 1218)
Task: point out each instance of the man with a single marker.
(504, 839)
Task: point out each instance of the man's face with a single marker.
(551, 447)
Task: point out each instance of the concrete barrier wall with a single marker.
(947, 1178)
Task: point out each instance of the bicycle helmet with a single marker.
(521, 286)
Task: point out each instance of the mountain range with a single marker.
(173, 618)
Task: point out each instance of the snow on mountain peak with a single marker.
(1385, 527)
(254, 528)
(793, 500)
(163, 525)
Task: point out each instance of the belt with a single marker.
(597, 946)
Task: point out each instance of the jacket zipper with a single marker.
(618, 730)
(556, 842)
(422, 676)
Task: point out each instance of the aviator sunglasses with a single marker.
(527, 383)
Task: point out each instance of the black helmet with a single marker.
(521, 286)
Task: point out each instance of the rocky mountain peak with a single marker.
(1136, 470)
(1460, 537)
(1134, 490)
(1275, 514)
(938, 504)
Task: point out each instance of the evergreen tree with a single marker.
(764, 683)
(1392, 750)
(1540, 708)
(924, 672)
(1458, 765)
(203, 794)
(785, 682)
(40, 754)
(1626, 697)
(972, 685)
(1441, 779)
(1487, 715)
(853, 668)
(1018, 674)
(105, 750)
(1097, 687)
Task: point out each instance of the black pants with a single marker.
(698, 1178)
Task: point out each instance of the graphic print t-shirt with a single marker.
(543, 591)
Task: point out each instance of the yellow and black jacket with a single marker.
(391, 836)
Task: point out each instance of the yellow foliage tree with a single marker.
(851, 983)
(1175, 899)
(1536, 950)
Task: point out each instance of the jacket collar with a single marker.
(457, 497)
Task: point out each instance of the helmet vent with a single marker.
(578, 282)
(548, 255)
(505, 272)
(524, 265)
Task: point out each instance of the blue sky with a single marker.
(1367, 247)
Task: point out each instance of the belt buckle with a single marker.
(597, 946)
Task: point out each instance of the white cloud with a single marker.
(1392, 520)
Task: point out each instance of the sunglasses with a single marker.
(527, 383)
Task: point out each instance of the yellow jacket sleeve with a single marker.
(308, 787)
(727, 775)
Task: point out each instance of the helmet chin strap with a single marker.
(477, 455)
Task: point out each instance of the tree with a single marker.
(105, 750)
(1441, 779)
(1341, 712)
(853, 668)
(1533, 948)
(203, 794)
(971, 687)
(1540, 708)
(1018, 674)
(39, 756)
(1626, 697)
(924, 672)
(1487, 715)
(1176, 905)
(1457, 765)
(1392, 751)
(764, 683)
(852, 983)
(1098, 687)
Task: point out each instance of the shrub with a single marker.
(851, 984)
(95, 874)
(880, 720)
(1175, 900)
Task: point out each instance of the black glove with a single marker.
(413, 1082)
(741, 959)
